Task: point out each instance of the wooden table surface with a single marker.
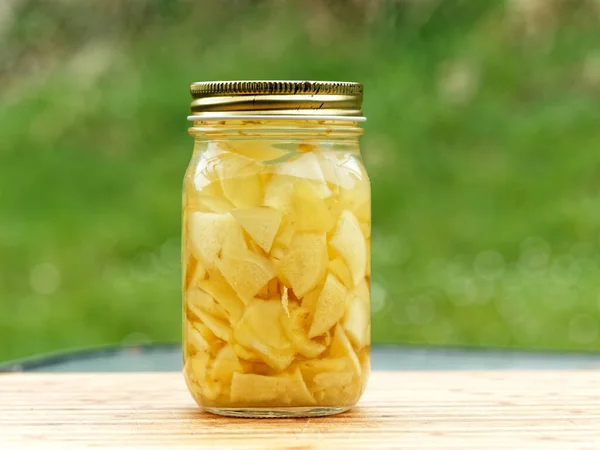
(427, 410)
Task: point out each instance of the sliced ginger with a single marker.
(195, 369)
(286, 389)
(225, 364)
(350, 244)
(211, 199)
(261, 223)
(306, 167)
(276, 276)
(260, 330)
(296, 326)
(219, 327)
(257, 150)
(195, 273)
(194, 339)
(305, 263)
(198, 301)
(310, 210)
(223, 294)
(246, 272)
(330, 306)
(240, 180)
(278, 193)
(342, 348)
(211, 234)
(356, 320)
(338, 267)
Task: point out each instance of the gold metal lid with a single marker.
(276, 99)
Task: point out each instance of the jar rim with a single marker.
(276, 98)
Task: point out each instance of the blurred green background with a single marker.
(483, 145)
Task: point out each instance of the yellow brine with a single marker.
(276, 248)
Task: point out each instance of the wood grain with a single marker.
(483, 410)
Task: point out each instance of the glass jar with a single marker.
(276, 249)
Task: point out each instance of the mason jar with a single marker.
(276, 249)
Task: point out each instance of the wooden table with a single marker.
(483, 410)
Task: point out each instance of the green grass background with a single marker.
(482, 141)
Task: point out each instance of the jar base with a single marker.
(269, 413)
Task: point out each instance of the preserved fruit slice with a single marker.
(278, 193)
(195, 367)
(254, 247)
(356, 320)
(286, 232)
(357, 200)
(194, 339)
(277, 254)
(330, 306)
(204, 173)
(213, 204)
(252, 388)
(305, 263)
(338, 267)
(260, 330)
(327, 380)
(310, 211)
(210, 199)
(306, 167)
(218, 327)
(246, 354)
(335, 396)
(296, 392)
(296, 329)
(226, 363)
(341, 169)
(199, 301)
(276, 358)
(224, 295)
(286, 389)
(246, 272)
(261, 223)
(312, 368)
(212, 340)
(309, 301)
(240, 180)
(211, 234)
(210, 390)
(341, 348)
(256, 150)
(195, 272)
(349, 242)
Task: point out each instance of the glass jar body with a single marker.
(276, 268)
